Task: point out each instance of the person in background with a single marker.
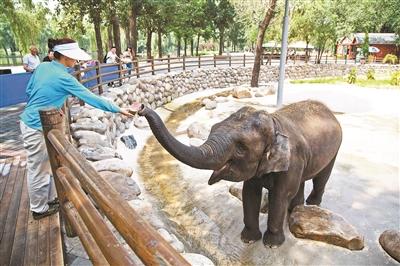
(112, 56)
(49, 57)
(127, 58)
(31, 61)
(49, 86)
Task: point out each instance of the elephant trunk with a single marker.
(212, 154)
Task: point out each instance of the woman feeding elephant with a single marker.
(296, 143)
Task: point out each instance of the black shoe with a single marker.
(52, 209)
(53, 202)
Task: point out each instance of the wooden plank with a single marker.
(31, 244)
(4, 177)
(56, 247)
(7, 196)
(43, 242)
(18, 250)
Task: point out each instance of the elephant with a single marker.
(278, 151)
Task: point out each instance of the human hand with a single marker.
(132, 110)
(126, 111)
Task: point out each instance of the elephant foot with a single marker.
(313, 200)
(249, 237)
(273, 240)
(293, 204)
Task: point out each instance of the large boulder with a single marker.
(390, 242)
(124, 185)
(140, 122)
(315, 223)
(113, 165)
(91, 138)
(241, 93)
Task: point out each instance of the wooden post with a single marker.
(244, 60)
(199, 61)
(99, 81)
(335, 58)
(184, 63)
(230, 60)
(120, 73)
(67, 119)
(91, 248)
(270, 58)
(294, 59)
(215, 63)
(152, 65)
(137, 68)
(53, 119)
(345, 59)
(326, 59)
(78, 76)
(169, 63)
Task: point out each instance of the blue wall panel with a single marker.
(12, 88)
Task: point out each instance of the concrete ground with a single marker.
(364, 186)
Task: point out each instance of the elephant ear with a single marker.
(276, 159)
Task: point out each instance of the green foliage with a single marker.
(390, 59)
(352, 77)
(395, 78)
(365, 45)
(371, 74)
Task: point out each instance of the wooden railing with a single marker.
(84, 195)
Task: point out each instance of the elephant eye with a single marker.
(241, 149)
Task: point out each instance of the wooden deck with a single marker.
(23, 240)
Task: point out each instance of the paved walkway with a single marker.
(10, 135)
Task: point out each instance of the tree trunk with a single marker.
(184, 45)
(97, 31)
(127, 36)
(197, 44)
(110, 37)
(159, 42)
(260, 38)
(7, 56)
(178, 52)
(133, 29)
(148, 43)
(116, 33)
(221, 41)
(191, 46)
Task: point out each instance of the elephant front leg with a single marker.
(278, 204)
(251, 195)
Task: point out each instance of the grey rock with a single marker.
(140, 122)
(241, 93)
(97, 153)
(211, 105)
(125, 186)
(113, 165)
(90, 126)
(197, 130)
(390, 242)
(197, 259)
(315, 223)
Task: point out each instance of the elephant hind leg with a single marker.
(298, 198)
(319, 182)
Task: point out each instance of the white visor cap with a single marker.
(73, 51)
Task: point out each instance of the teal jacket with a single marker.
(49, 86)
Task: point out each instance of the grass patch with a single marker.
(379, 82)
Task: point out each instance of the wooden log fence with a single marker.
(82, 217)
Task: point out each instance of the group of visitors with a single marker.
(31, 61)
(49, 86)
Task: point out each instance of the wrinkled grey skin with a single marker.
(277, 151)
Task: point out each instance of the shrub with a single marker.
(371, 74)
(390, 59)
(351, 78)
(395, 78)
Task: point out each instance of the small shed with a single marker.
(385, 42)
